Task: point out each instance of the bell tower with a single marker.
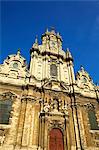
(52, 41)
(49, 61)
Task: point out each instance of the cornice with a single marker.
(49, 54)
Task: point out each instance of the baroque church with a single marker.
(45, 105)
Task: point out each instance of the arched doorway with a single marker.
(56, 139)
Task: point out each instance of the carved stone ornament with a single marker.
(65, 109)
(89, 106)
(2, 136)
(46, 107)
(56, 124)
(7, 95)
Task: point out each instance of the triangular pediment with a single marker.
(56, 85)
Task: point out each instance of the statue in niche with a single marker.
(55, 105)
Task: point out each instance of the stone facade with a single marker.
(47, 96)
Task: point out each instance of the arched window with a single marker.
(93, 120)
(84, 80)
(56, 139)
(5, 108)
(53, 70)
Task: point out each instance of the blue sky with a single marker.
(77, 22)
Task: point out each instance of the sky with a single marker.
(76, 21)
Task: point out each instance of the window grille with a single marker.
(5, 108)
(93, 120)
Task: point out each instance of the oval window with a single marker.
(15, 65)
(84, 80)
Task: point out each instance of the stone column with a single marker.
(46, 136)
(27, 124)
(32, 124)
(34, 63)
(65, 135)
(72, 72)
(21, 122)
(43, 132)
(60, 71)
(72, 130)
(68, 136)
(46, 67)
(31, 63)
(82, 130)
(36, 127)
(69, 73)
(76, 129)
(40, 133)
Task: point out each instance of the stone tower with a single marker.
(46, 106)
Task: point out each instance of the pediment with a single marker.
(7, 95)
(56, 85)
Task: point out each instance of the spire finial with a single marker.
(68, 54)
(35, 45)
(58, 34)
(18, 51)
(36, 39)
(52, 28)
(82, 68)
(67, 49)
(46, 29)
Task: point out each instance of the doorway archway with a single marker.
(56, 139)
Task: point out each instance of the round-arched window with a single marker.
(84, 80)
(53, 70)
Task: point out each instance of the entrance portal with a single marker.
(56, 140)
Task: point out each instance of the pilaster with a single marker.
(21, 122)
(36, 126)
(27, 124)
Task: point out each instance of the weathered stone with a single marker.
(46, 97)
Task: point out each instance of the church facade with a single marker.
(46, 106)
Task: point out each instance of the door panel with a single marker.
(56, 140)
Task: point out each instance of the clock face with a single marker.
(53, 44)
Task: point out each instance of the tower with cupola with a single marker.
(49, 61)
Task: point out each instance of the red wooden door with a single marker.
(56, 140)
